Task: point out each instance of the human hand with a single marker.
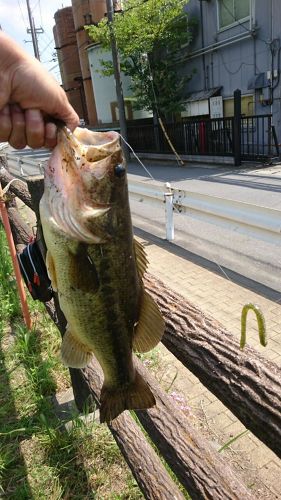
(29, 98)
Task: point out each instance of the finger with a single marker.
(5, 123)
(72, 121)
(67, 114)
(50, 135)
(17, 137)
(34, 128)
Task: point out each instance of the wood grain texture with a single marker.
(247, 383)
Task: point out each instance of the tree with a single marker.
(149, 33)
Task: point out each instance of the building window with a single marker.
(232, 11)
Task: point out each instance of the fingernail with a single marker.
(51, 131)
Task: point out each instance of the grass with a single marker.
(38, 457)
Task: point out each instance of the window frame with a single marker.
(235, 23)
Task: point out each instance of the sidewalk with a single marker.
(221, 297)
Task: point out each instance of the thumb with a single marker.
(66, 113)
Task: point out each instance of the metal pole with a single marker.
(33, 32)
(7, 227)
(118, 83)
(36, 39)
(237, 128)
(169, 211)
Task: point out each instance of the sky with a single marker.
(14, 21)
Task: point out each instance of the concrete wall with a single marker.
(235, 64)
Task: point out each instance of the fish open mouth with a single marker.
(93, 146)
(78, 183)
(86, 138)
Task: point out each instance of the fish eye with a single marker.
(120, 170)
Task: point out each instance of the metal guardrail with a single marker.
(262, 223)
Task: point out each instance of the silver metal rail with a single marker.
(260, 222)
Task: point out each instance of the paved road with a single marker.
(257, 184)
(255, 259)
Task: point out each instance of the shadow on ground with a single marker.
(237, 278)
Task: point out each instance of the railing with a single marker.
(256, 137)
(262, 223)
(212, 137)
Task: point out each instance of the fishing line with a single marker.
(136, 156)
(7, 187)
(175, 207)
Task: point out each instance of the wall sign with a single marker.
(216, 107)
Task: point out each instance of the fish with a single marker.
(96, 266)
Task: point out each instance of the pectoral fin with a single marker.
(51, 271)
(73, 353)
(150, 327)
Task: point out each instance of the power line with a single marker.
(48, 37)
(230, 72)
(46, 47)
(22, 16)
(40, 12)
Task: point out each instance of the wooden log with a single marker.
(36, 189)
(200, 469)
(20, 230)
(18, 187)
(152, 478)
(196, 464)
(247, 383)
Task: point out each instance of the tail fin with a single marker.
(136, 396)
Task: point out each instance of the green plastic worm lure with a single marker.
(260, 320)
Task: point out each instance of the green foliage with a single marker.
(148, 36)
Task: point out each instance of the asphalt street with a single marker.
(225, 246)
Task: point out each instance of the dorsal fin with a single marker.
(150, 327)
(141, 258)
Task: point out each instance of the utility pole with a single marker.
(33, 32)
(118, 83)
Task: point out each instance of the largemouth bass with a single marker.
(96, 266)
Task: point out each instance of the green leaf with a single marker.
(149, 33)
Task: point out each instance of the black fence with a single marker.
(208, 137)
(257, 138)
